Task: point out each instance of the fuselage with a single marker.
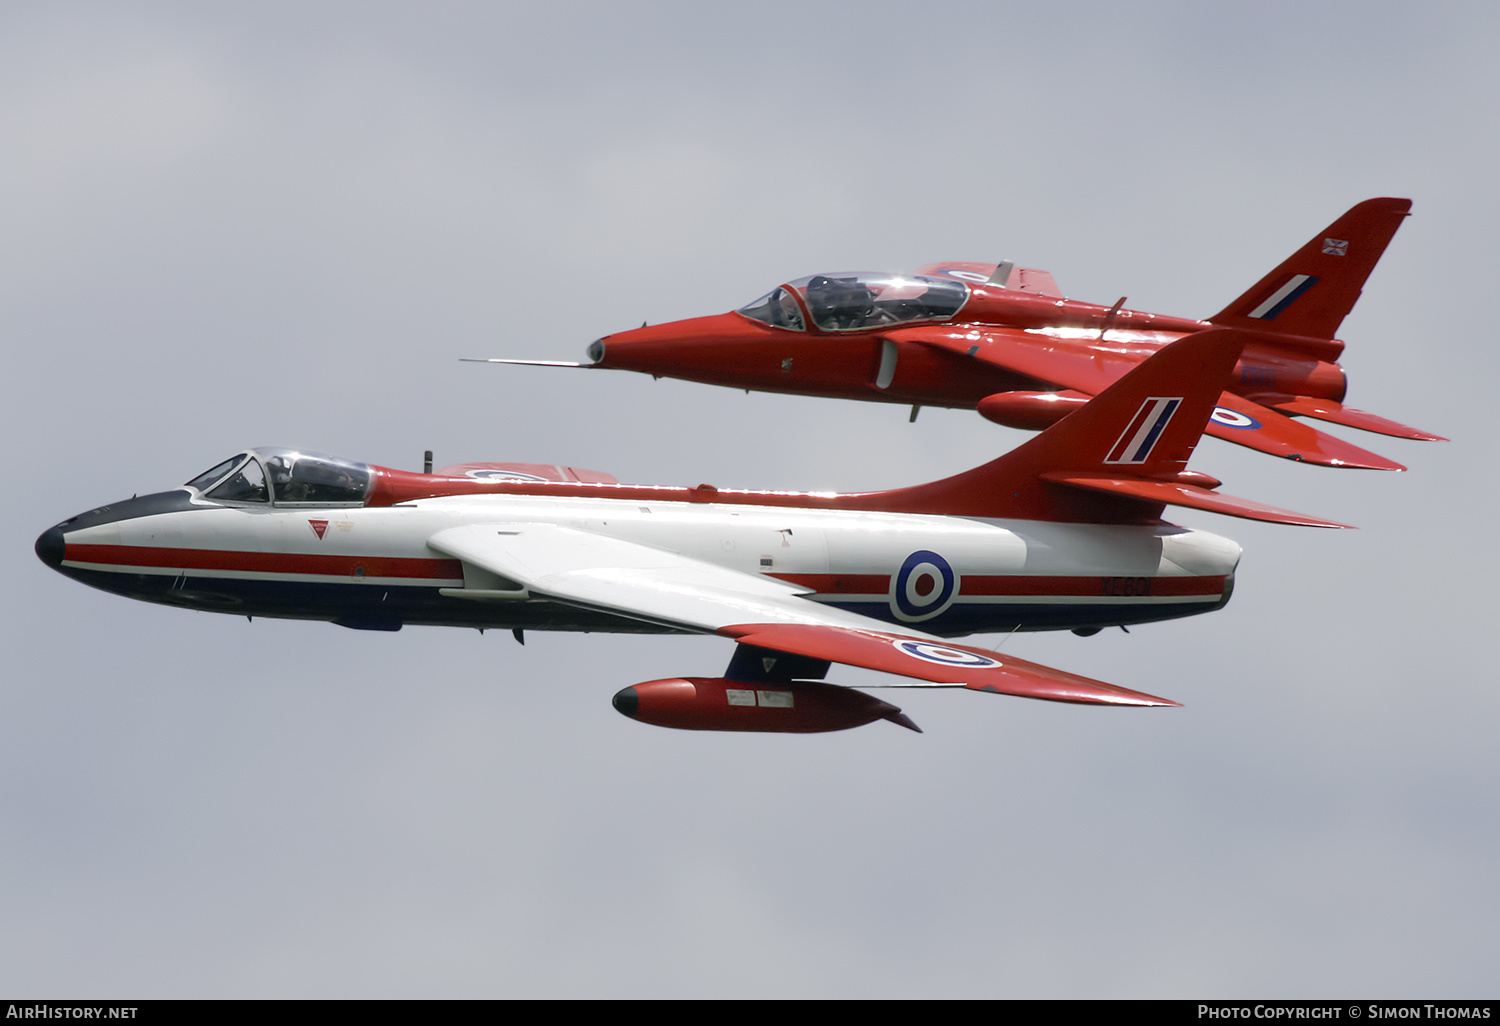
(369, 566)
(881, 359)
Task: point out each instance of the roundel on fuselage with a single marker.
(923, 587)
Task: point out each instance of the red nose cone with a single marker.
(701, 348)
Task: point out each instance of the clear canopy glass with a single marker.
(246, 484)
(776, 308)
(287, 477)
(859, 301)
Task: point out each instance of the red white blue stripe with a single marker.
(1140, 437)
(1283, 297)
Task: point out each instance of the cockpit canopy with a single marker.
(286, 477)
(858, 301)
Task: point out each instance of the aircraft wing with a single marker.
(1260, 427)
(596, 572)
(936, 660)
(1081, 366)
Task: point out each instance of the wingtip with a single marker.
(901, 719)
(1348, 464)
(1140, 700)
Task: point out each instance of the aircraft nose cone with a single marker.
(50, 547)
(628, 702)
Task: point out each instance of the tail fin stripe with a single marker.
(1137, 441)
(1283, 297)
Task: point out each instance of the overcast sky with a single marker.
(278, 223)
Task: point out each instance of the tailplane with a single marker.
(1120, 458)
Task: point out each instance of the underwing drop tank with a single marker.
(793, 707)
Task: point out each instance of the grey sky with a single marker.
(283, 224)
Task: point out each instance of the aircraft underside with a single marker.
(1111, 601)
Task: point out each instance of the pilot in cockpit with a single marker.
(839, 302)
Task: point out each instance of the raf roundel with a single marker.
(944, 656)
(1232, 418)
(501, 475)
(923, 587)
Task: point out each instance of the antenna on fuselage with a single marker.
(1109, 318)
(427, 462)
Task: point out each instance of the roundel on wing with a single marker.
(945, 656)
(490, 474)
(1233, 418)
(969, 276)
(923, 587)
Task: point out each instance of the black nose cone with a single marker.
(50, 547)
(628, 702)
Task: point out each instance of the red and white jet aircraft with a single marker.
(1003, 339)
(1063, 532)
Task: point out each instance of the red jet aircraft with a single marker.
(1003, 340)
(1063, 532)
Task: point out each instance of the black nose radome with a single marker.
(50, 547)
(627, 702)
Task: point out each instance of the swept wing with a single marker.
(597, 572)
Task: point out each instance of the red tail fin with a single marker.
(1313, 290)
(1117, 459)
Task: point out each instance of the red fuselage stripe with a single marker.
(1018, 584)
(265, 562)
(973, 586)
